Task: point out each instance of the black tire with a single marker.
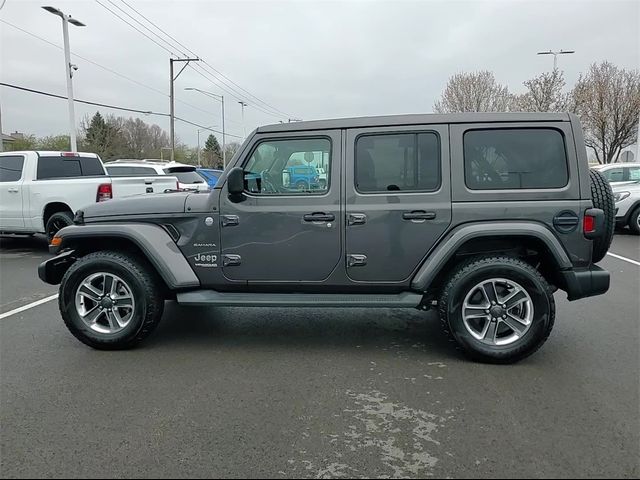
(602, 198)
(469, 274)
(57, 222)
(302, 185)
(146, 288)
(634, 221)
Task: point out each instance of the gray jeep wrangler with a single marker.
(483, 216)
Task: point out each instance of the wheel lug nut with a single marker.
(493, 303)
(504, 317)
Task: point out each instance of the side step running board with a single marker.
(211, 297)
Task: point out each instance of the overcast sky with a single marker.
(308, 59)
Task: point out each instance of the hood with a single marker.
(144, 204)
(631, 186)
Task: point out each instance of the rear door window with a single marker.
(66, 167)
(406, 162)
(123, 171)
(11, 168)
(515, 158)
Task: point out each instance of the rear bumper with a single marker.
(586, 283)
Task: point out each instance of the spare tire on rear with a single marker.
(602, 198)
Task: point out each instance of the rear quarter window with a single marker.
(515, 158)
(66, 167)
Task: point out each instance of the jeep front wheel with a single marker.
(498, 309)
(111, 300)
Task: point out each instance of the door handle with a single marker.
(13, 190)
(319, 217)
(419, 215)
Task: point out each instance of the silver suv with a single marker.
(482, 216)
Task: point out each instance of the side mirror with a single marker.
(235, 181)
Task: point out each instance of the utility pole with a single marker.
(220, 98)
(244, 128)
(171, 98)
(555, 56)
(69, 67)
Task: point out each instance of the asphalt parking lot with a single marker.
(254, 393)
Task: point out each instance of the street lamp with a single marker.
(220, 98)
(66, 20)
(244, 129)
(555, 55)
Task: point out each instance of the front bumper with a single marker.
(51, 271)
(587, 282)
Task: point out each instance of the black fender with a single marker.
(456, 238)
(152, 240)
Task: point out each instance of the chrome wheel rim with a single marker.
(105, 303)
(497, 312)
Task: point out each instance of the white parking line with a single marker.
(620, 257)
(28, 306)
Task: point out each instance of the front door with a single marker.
(11, 168)
(284, 229)
(398, 199)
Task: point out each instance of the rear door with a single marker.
(11, 192)
(398, 199)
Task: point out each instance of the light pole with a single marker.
(555, 55)
(244, 129)
(220, 98)
(69, 67)
(172, 114)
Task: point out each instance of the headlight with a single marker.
(619, 196)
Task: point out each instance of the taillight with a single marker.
(105, 192)
(589, 224)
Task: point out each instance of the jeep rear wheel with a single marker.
(498, 309)
(110, 300)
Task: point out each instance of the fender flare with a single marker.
(154, 242)
(450, 244)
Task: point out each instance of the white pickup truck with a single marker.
(40, 191)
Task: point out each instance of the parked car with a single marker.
(210, 175)
(482, 215)
(627, 199)
(188, 178)
(40, 190)
(620, 173)
(301, 177)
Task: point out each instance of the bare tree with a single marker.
(608, 101)
(544, 94)
(474, 92)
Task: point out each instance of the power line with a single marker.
(135, 28)
(114, 107)
(213, 79)
(212, 71)
(110, 70)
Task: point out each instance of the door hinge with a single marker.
(356, 260)
(230, 220)
(231, 260)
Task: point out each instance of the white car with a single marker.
(627, 198)
(188, 178)
(620, 173)
(40, 191)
